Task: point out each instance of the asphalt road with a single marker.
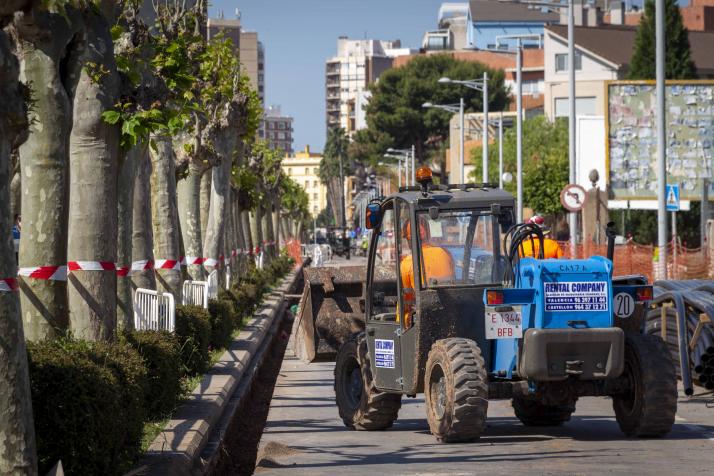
(304, 435)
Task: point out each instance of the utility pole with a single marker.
(572, 217)
(413, 166)
(500, 150)
(661, 141)
(519, 133)
(484, 148)
(461, 140)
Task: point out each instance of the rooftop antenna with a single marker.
(238, 14)
(220, 14)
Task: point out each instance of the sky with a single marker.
(299, 35)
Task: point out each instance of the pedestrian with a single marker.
(16, 228)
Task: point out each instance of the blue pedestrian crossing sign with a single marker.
(672, 197)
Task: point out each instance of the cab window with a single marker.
(384, 275)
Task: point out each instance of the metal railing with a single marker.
(195, 293)
(213, 284)
(154, 310)
(228, 277)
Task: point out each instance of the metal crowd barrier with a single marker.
(154, 310)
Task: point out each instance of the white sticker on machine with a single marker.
(576, 296)
(384, 353)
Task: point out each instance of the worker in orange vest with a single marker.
(530, 248)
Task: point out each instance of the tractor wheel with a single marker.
(535, 413)
(456, 390)
(649, 407)
(361, 405)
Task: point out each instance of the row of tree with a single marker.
(127, 137)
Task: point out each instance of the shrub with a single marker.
(222, 315)
(193, 330)
(162, 357)
(87, 401)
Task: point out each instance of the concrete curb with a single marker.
(190, 440)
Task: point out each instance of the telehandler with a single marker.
(445, 310)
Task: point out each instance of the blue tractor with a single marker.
(453, 311)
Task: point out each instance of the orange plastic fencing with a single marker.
(633, 258)
(293, 248)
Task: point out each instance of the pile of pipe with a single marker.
(691, 298)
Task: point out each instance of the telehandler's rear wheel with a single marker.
(361, 405)
(456, 390)
(648, 409)
(535, 413)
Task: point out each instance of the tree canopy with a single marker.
(679, 64)
(395, 109)
(545, 163)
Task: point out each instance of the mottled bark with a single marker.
(15, 191)
(142, 241)
(276, 222)
(125, 223)
(268, 234)
(190, 213)
(17, 436)
(164, 214)
(50, 68)
(220, 187)
(256, 229)
(245, 223)
(94, 158)
(205, 199)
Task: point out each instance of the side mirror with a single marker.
(373, 216)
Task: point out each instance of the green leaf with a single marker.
(111, 117)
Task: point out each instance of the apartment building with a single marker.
(303, 168)
(278, 130)
(357, 64)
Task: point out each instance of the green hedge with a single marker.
(223, 321)
(162, 357)
(88, 405)
(193, 331)
(91, 400)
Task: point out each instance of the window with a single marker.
(314, 208)
(314, 196)
(561, 62)
(307, 171)
(314, 183)
(281, 126)
(584, 106)
(280, 135)
(314, 171)
(290, 171)
(443, 249)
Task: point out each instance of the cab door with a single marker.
(382, 327)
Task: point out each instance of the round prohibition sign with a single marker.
(624, 305)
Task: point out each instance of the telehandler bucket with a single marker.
(330, 311)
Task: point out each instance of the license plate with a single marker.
(504, 324)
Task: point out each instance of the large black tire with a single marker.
(648, 409)
(361, 405)
(456, 390)
(534, 413)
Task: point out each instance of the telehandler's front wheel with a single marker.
(648, 408)
(456, 390)
(361, 405)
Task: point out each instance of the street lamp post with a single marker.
(478, 85)
(500, 150)
(572, 216)
(661, 138)
(519, 132)
(408, 156)
(453, 108)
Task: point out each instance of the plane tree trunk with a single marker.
(94, 159)
(17, 436)
(142, 241)
(50, 68)
(164, 215)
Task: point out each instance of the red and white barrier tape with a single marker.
(191, 260)
(8, 285)
(91, 266)
(167, 264)
(52, 273)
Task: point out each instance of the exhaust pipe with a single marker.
(611, 233)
